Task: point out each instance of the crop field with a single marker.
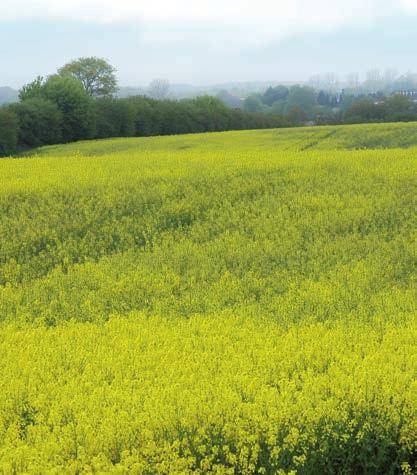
(226, 303)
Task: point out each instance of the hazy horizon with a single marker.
(207, 43)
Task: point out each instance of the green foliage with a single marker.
(253, 103)
(95, 74)
(364, 110)
(275, 94)
(40, 122)
(202, 114)
(391, 109)
(297, 103)
(301, 98)
(33, 90)
(68, 94)
(9, 129)
(75, 105)
(58, 109)
(115, 118)
(237, 302)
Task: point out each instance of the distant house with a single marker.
(412, 94)
(406, 92)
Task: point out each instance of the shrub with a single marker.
(40, 122)
(9, 130)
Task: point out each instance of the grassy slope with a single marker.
(373, 136)
(242, 300)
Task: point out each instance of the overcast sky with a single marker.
(210, 41)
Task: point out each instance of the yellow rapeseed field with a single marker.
(227, 303)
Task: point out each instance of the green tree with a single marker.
(95, 74)
(115, 117)
(76, 107)
(399, 108)
(32, 90)
(253, 103)
(275, 94)
(323, 98)
(296, 116)
(40, 122)
(9, 128)
(364, 110)
(302, 98)
(146, 116)
(211, 113)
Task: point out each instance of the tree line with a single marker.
(78, 103)
(304, 104)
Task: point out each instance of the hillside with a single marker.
(346, 137)
(7, 95)
(240, 302)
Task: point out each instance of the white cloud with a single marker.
(285, 14)
(257, 20)
(409, 5)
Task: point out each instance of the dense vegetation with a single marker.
(299, 104)
(238, 302)
(79, 103)
(60, 109)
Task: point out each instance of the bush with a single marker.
(114, 118)
(40, 122)
(202, 114)
(59, 110)
(147, 122)
(9, 130)
(75, 105)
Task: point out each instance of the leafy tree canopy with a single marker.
(95, 74)
(40, 122)
(274, 94)
(32, 90)
(253, 103)
(72, 101)
(9, 128)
